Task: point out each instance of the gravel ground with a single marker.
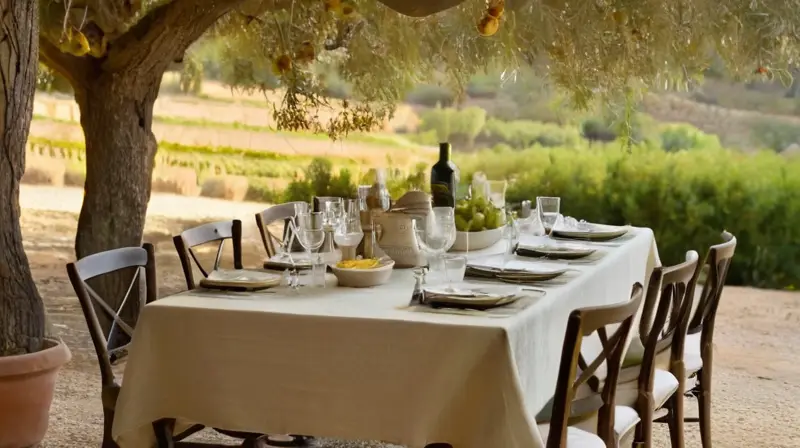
(757, 365)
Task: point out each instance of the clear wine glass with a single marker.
(310, 232)
(348, 233)
(548, 209)
(436, 234)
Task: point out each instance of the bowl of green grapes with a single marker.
(479, 224)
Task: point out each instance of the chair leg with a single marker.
(675, 420)
(108, 422)
(704, 405)
(644, 429)
(163, 431)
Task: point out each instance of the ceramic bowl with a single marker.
(364, 278)
(476, 240)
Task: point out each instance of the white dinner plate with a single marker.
(595, 232)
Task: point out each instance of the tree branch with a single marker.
(75, 69)
(164, 34)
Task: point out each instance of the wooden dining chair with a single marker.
(652, 384)
(582, 323)
(282, 212)
(700, 338)
(208, 233)
(110, 353)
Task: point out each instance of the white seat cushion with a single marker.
(625, 420)
(692, 345)
(664, 385)
(576, 438)
(691, 354)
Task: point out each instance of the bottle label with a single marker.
(442, 195)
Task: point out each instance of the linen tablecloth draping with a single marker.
(351, 364)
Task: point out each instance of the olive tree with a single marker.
(114, 53)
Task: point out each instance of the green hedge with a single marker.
(686, 197)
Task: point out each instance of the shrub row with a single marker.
(686, 197)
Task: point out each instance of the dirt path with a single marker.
(757, 366)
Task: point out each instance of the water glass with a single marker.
(455, 267)
(548, 208)
(318, 270)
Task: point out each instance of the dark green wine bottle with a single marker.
(444, 178)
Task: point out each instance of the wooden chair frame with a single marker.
(208, 233)
(670, 295)
(284, 212)
(718, 260)
(108, 355)
(583, 322)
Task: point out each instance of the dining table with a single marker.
(359, 363)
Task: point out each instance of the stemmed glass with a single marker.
(436, 234)
(548, 209)
(311, 234)
(348, 234)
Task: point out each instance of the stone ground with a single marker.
(757, 366)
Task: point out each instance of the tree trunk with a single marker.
(21, 310)
(116, 115)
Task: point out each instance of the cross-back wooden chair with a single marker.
(653, 385)
(282, 212)
(700, 339)
(110, 351)
(208, 233)
(582, 323)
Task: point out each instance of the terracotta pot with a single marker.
(26, 388)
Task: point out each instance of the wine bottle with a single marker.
(444, 178)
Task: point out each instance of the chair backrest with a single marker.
(718, 261)
(109, 346)
(208, 233)
(671, 292)
(583, 322)
(282, 212)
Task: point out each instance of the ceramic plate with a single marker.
(240, 280)
(277, 263)
(475, 297)
(596, 233)
(564, 252)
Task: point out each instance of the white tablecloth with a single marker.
(351, 364)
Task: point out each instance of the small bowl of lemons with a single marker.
(363, 273)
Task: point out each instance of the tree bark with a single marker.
(120, 152)
(21, 310)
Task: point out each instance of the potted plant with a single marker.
(29, 361)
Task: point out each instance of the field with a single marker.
(757, 368)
